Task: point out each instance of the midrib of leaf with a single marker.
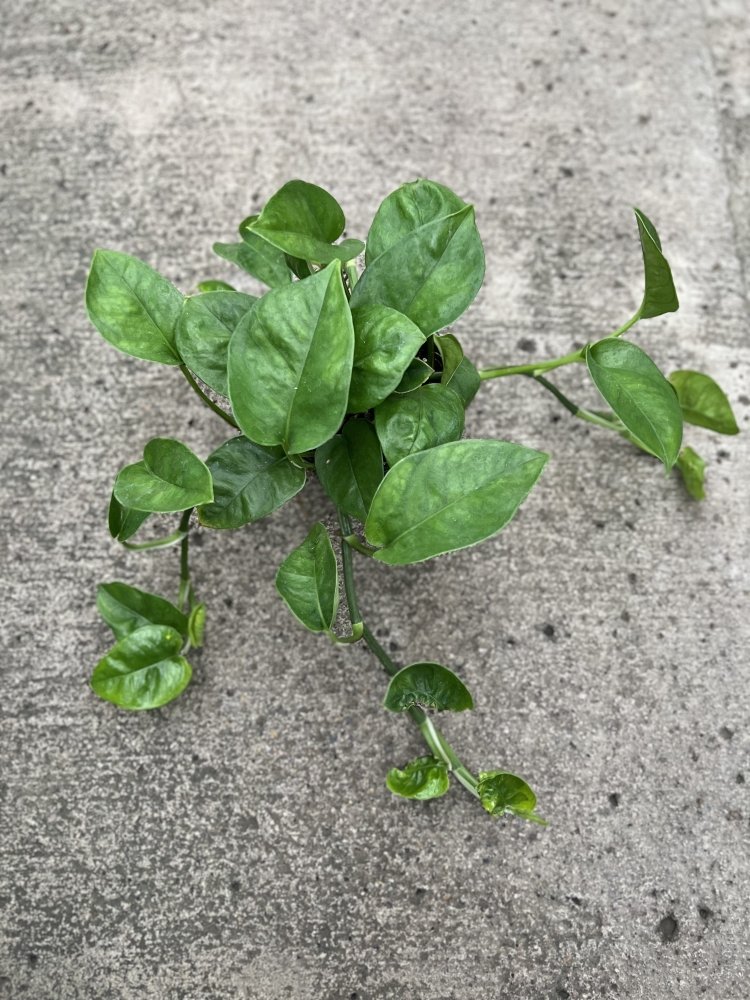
(437, 263)
(143, 305)
(254, 475)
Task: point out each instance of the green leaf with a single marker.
(215, 286)
(502, 793)
(429, 416)
(169, 479)
(133, 307)
(639, 395)
(255, 256)
(429, 685)
(123, 522)
(206, 325)
(308, 581)
(143, 669)
(431, 273)
(126, 609)
(350, 467)
(659, 296)
(196, 625)
(449, 497)
(249, 481)
(290, 363)
(693, 470)
(703, 402)
(385, 342)
(423, 778)
(303, 221)
(415, 375)
(458, 373)
(408, 208)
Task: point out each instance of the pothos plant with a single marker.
(347, 373)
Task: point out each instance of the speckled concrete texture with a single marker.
(240, 843)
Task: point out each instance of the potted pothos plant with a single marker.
(344, 370)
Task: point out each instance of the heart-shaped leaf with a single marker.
(449, 497)
(429, 685)
(693, 470)
(407, 208)
(423, 778)
(143, 670)
(123, 522)
(502, 793)
(206, 325)
(308, 581)
(659, 296)
(168, 480)
(429, 416)
(256, 256)
(350, 467)
(385, 342)
(703, 402)
(126, 609)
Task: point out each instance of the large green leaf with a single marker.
(431, 273)
(385, 342)
(143, 669)
(124, 523)
(449, 497)
(303, 221)
(458, 373)
(659, 295)
(126, 609)
(639, 395)
(408, 208)
(502, 793)
(249, 481)
(429, 685)
(429, 416)
(308, 581)
(290, 363)
(703, 402)
(423, 778)
(133, 307)
(693, 470)
(256, 256)
(206, 325)
(169, 479)
(350, 467)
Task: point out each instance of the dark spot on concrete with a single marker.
(644, 119)
(599, 524)
(575, 900)
(527, 344)
(726, 733)
(632, 579)
(567, 171)
(563, 993)
(549, 631)
(745, 400)
(740, 779)
(510, 641)
(32, 958)
(668, 928)
(309, 98)
(235, 885)
(705, 913)
(625, 616)
(228, 602)
(614, 799)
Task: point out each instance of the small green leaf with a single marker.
(429, 416)
(308, 581)
(206, 325)
(385, 342)
(256, 257)
(168, 480)
(423, 778)
(350, 467)
(449, 497)
(303, 221)
(126, 609)
(639, 395)
(123, 522)
(502, 793)
(703, 402)
(133, 307)
(215, 286)
(290, 363)
(659, 296)
(458, 373)
(196, 625)
(408, 208)
(429, 685)
(693, 470)
(415, 375)
(143, 669)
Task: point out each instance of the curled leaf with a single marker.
(703, 402)
(429, 685)
(423, 778)
(502, 793)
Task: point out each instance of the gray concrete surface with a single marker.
(240, 843)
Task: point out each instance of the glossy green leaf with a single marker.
(143, 669)
(502, 793)
(385, 342)
(429, 416)
(290, 363)
(458, 373)
(133, 307)
(423, 778)
(303, 221)
(693, 470)
(169, 479)
(308, 581)
(197, 625)
(415, 375)
(659, 296)
(350, 467)
(429, 685)
(126, 609)
(409, 207)
(215, 286)
(123, 522)
(639, 395)
(206, 325)
(256, 256)
(249, 481)
(449, 497)
(703, 402)
(431, 273)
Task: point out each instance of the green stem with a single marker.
(626, 326)
(185, 593)
(578, 411)
(156, 543)
(205, 399)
